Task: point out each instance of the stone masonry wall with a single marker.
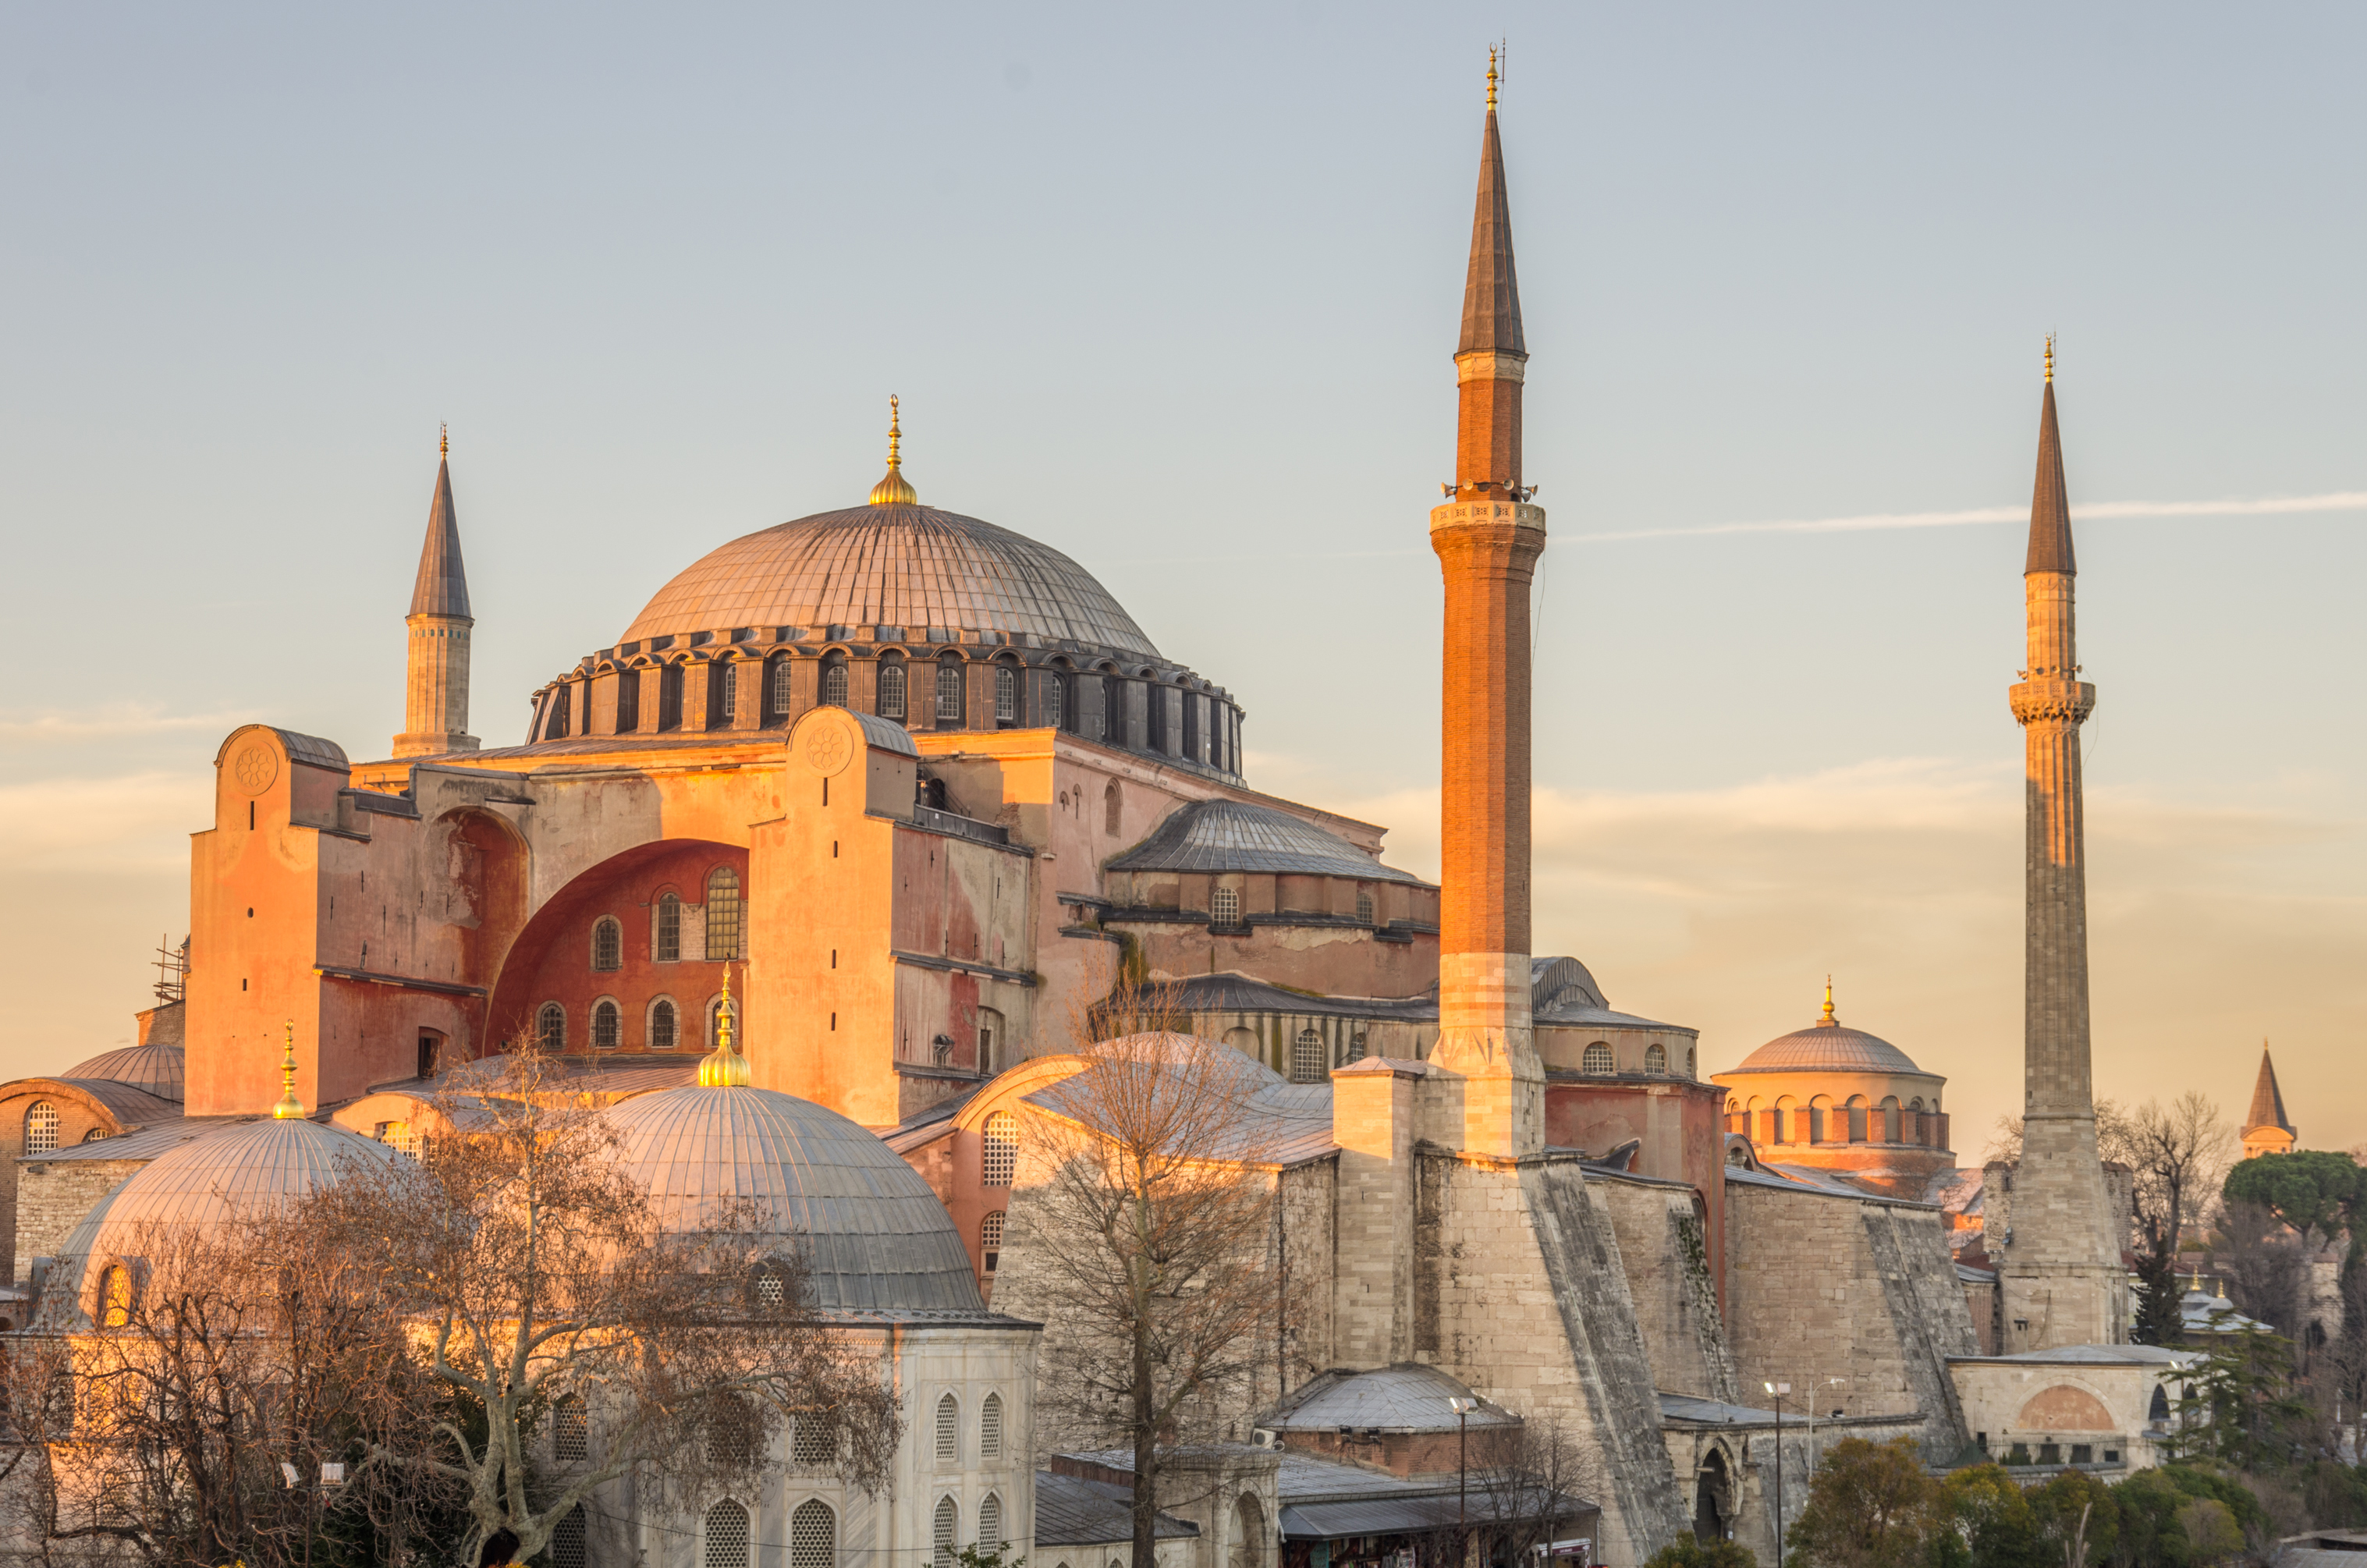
(1664, 1251)
(52, 1197)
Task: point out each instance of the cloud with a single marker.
(111, 723)
(2333, 501)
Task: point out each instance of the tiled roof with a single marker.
(155, 1069)
(153, 1138)
(1229, 991)
(1280, 1123)
(1234, 835)
(1406, 1398)
(132, 1107)
(1072, 1511)
(911, 566)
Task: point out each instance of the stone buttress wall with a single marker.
(1664, 1248)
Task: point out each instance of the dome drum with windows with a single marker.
(1835, 1097)
(925, 618)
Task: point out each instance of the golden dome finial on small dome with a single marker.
(723, 1067)
(894, 489)
(1828, 1018)
(289, 1107)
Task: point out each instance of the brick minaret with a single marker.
(2062, 1274)
(1488, 538)
(435, 673)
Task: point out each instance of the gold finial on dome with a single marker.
(1827, 1020)
(894, 491)
(289, 1107)
(723, 1067)
(1491, 77)
(443, 440)
(2050, 357)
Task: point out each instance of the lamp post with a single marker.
(1779, 1390)
(1462, 1408)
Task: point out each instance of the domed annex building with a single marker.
(925, 787)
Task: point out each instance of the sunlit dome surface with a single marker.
(908, 567)
(154, 1068)
(1828, 1047)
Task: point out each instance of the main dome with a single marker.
(904, 566)
(1827, 1047)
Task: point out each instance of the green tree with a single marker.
(2314, 1190)
(1686, 1552)
(1990, 1515)
(2239, 1405)
(2077, 1518)
(1869, 1506)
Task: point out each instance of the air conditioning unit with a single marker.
(1265, 1437)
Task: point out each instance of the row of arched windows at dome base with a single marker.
(662, 1025)
(1853, 1121)
(1600, 1061)
(44, 1128)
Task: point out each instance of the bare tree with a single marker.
(1539, 1485)
(1146, 1210)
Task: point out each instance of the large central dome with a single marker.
(905, 565)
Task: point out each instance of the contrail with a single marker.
(2336, 500)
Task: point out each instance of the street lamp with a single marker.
(1462, 1408)
(1779, 1390)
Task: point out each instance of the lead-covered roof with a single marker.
(1235, 835)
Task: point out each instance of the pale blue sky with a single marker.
(1176, 293)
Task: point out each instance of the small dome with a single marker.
(155, 1069)
(1233, 835)
(876, 1236)
(1828, 1047)
(892, 564)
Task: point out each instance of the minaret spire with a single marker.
(436, 685)
(1488, 540)
(2062, 1276)
(2266, 1130)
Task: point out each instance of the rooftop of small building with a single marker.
(1407, 1397)
(2089, 1356)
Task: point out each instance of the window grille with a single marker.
(571, 1429)
(550, 1027)
(813, 1443)
(628, 701)
(607, 1027)
(726, 1536)
(777, 687)
(1006, 695)
(1656, 1059)
(1225, 907)
(399, 1136)
(567, 1540)
(833, 685)
(949, 693)
(1598, 1059)
(990, 1523)
(115, 1297)
(892, 690)
(723, 914)
(725, 703)
(733, 1429)
(1306, 1062)
(41, 1128)
(560, 701)
(989, 1239)
(608, 945)
(670, 696)
(1056, 701)
(669, 928)
(1002, 1161)
(662, 1026)
(948, 1429)
(989, 1419)
(948, 1522)
(813, 1536)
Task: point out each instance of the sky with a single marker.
(1176, 290)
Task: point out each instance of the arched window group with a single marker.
(1307, 1057)
(999, 1163)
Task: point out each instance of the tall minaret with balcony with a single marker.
(1488, 538)
(435, 670)
(2062, 1276)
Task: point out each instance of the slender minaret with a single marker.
(2061, 1272)
(1488, 538)
(2266, 1130)
(435, 674)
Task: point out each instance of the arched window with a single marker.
(41, 1128)
(1889, 1119)
(399, 1136)
(813, 1536)
(1225, 907)
(1111, 809)
(1820, 1120)
(949, 692)
(669, 925)
(989, 1524)
(1114, 710)
(607, 1026)
(663, 1026)
(628, 701)
(833, 684)
(1006, 695)
(1857, 1119)
(990, 1423)
(550, 1027)
(567, 1540)
(990, 1246)
(2158, 1412)
(1249, 1533)
(948, 1429)
(891, 689)
(668, 697)
(571, 1429)
(989, 1032)
(716, 1008)
(722, 693)
(1364, 908)
(776, 689)
(1001, 1162)
(1056, 700)
(726, 1536)
(115, 1297)
(1597, 1058)
(943, 1531)
(723, 914)
(1656, 1059)
(1307, 1063)
(562, 700)
(607, 944)
(1690, 1068)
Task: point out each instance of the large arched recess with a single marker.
(552, 960)
(486, 865)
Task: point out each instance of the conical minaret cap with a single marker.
(442, 585)
(2268, 1099)
(2050, 500)
(1491, 292)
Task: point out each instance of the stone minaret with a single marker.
(2062, 1276)
(1488, 538)
(435, 673)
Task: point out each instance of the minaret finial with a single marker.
(894, 489)
(1829, 1001)
(289, 1107)
(1491, 78)
(2050, 357)
(724, 1067)
(443, 440)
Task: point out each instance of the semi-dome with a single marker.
(156, 1069)
(898, 565)
(1217, 836)
(876, 1237)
